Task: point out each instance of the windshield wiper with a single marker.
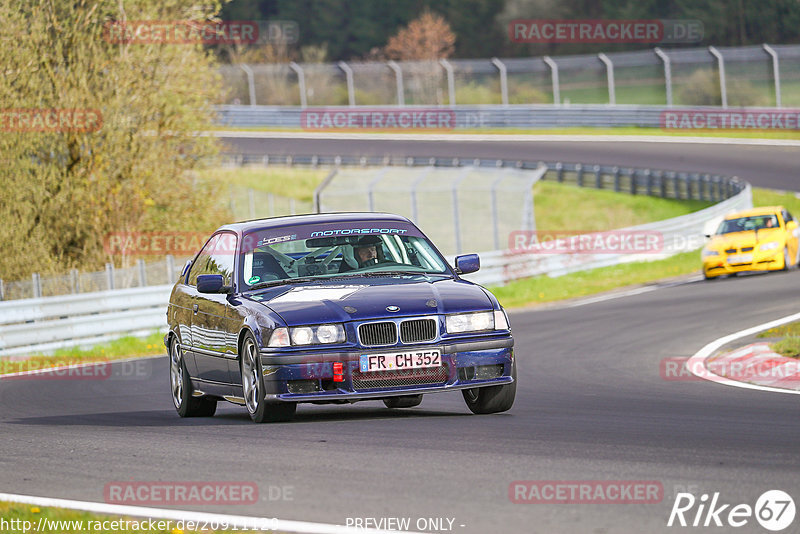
(284, 281)
(394, 273)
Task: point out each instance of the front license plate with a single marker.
(740, 258)
(393, 361)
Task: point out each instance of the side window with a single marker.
(221, 260)
(200, 265)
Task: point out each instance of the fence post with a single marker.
(554, 74)
(301, 83)
(722, 84)
(2, 290)
(317, 193)
(37, 285)
(612, 95)
(74, 280)
(560, 172)
(451, 82)
(456, 217)
(142, 272)
(351, 91)
(398, 76)
(615, 170)
(418, 180)
(648, 176)
(495, 225)
(170, 261)
(503, 80)
(776, 73)
(598, 177)
(579, 174)
(370, 188)
(110, 275)
(667, 73)
(251, 83)
(634, 174)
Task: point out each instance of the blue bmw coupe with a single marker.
(333, 308)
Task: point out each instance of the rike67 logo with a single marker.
(774, 510)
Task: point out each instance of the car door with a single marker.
(793, 235)
(213, 334)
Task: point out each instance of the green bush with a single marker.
(702, 89)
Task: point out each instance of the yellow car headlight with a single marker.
(708, 253)
(772, 245)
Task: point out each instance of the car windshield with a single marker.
(311, 252)
(744, 224)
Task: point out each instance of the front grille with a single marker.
(374, 334)
(416, 330)
(747, 249)
(390, 379)
(730, 251)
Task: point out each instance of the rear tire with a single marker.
(253, 388)
(181, 386)
(492, 399)
(406, 401)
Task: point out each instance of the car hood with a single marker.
(368, 298)
(744, 239)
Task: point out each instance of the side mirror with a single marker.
(468, 263)
(708, 236)
(211, 283)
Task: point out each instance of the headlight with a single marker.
(772, 245)
(469, 322)
(324, 333)
(706, 253)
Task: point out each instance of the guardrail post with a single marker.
(693, 184)
(615, 170)
(722, 83)
(351, 91)
(2, 290)
(251, 83)
(560, 172)
(503, 80)
(634, 175)
(598, 177)
(612, 95)
(110, 275)
(142, 273)
(554, 74)
(170, 262)
(37, 285)
(776, 73)
(676, 186)
(684, 179)
(667, 73)
(648, 176)
(662, 184)
(74, 281)
(451, 82)
(398, 76)
(301, 83)
(579, 174)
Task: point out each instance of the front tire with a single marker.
(786, 261)
(181, 386)
(253, 388)
(406, 401)
(492, 399)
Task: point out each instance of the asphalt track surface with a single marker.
(591, 405)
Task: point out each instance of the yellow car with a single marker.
(759, 239)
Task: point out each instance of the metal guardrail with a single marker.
(45, 324)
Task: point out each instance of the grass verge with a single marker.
(543, 289)
(790, 344)
(290, 182)
(125, 347)
(47, 520)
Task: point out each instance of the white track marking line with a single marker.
(696, 364)
(504, 138)
(45, 370)
(241, 522)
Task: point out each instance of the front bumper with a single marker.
(309, 377)
(770, 260)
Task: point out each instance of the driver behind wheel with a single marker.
(368, 251)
